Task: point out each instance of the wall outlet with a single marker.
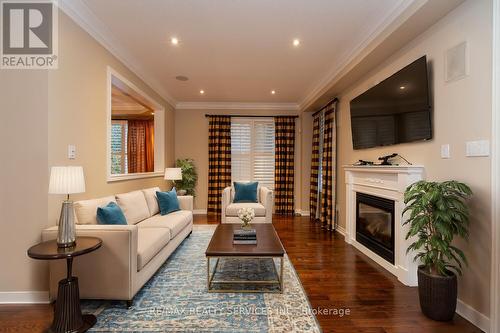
(477, 148)
(445, 151)
(71, 152)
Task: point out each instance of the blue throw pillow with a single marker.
(168, 201)
(245, 192)
(110, 214)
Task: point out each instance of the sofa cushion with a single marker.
(150, 241)
(175, 221)
(232, 209)
(110, 214)
(168, 201)
(150, 195)
(134, 206)
(86, 210)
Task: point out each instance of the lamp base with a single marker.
(66, 235)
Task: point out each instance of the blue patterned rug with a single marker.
(175, 299)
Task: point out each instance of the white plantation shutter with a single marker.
(252, 150)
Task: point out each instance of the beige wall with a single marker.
(24, 178)
(46, 111)
(191, 141)
(462, 112)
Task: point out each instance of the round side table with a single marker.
(68, 314)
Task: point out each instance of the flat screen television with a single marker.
(396, 110)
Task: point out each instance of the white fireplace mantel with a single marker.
(387, 182)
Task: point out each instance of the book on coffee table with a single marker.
(245, 242)
(241, 236)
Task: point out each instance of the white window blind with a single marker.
(252, 150)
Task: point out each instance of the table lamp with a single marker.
(66, 180)
(173, 174)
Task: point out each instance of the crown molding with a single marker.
(236, 106)
(395, 17)
(79, 12)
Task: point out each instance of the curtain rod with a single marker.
(248, 116)
(324, 106)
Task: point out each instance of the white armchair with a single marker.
(263, 208)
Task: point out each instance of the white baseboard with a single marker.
(200, 212)
(20, 297)
(474, 316)
(341, 230)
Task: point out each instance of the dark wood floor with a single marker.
(334, 276)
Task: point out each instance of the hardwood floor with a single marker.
(334, 275)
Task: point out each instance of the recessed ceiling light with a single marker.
(402, 87)
(202, 92)
(273, 92)
(174, 41)
(296, 42)
(181, 78)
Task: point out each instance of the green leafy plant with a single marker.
(438, 213)
(189, 175)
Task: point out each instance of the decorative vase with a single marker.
(437, 295)
(181, 192)
(246, 216)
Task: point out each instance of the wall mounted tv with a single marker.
(394, 111)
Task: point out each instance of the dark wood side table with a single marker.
(68, 314)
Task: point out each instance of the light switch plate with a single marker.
(71, 152)
(445, 151)
(477, 148)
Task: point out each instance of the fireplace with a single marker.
(375, 224)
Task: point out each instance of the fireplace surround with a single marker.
(387, 184)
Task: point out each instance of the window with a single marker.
(252, 150)
(135, 127)
(119, 149)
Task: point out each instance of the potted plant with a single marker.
(189, 176)
(437, 213)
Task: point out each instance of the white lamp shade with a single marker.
(66, 180)
(173, 173)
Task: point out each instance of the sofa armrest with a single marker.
(186, 202)
(266, 198)
(110, 271)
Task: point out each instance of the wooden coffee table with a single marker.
(268, 246)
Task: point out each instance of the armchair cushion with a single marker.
(245, 192)
(111, 214)
(232, 209)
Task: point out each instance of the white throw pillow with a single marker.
(150, 195)
(86, 210)
(134, 206)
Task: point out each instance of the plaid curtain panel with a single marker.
(219, 161)
(327, 209)
(284, 167)
(313, 196)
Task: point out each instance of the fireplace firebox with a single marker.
(375, 224)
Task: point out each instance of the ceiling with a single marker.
(236, 51)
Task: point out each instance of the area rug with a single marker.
(175, 299)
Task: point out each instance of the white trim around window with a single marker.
(159, 119)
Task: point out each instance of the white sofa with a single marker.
(130, 254)
(263, 209)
